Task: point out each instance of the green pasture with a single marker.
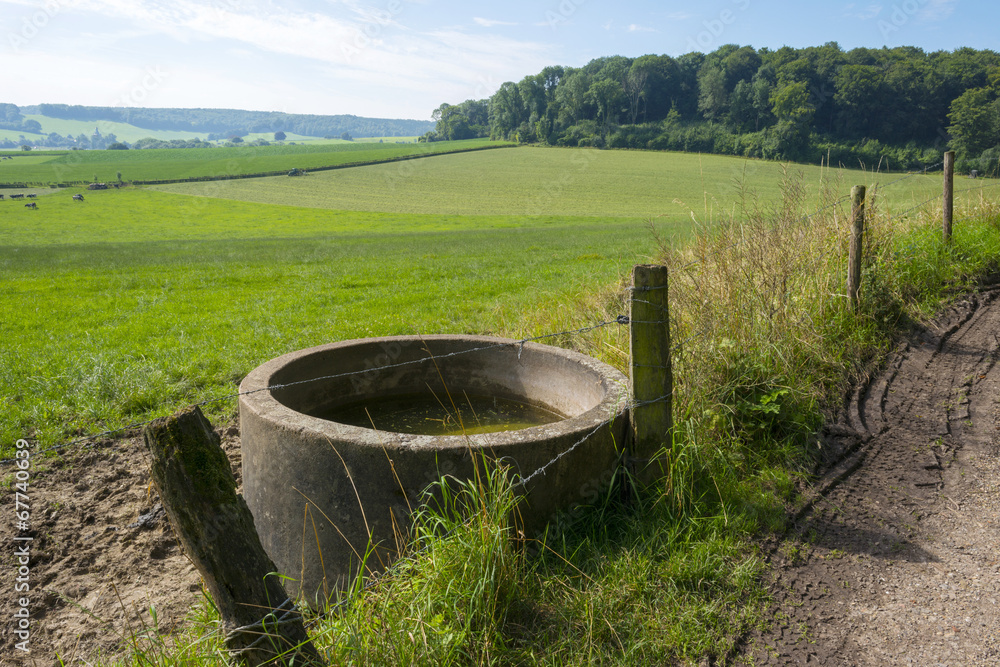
(15, 135)
(387, 140)
(439, 244)
(168, 164)
(134, 303)
(584, 182)
(131, 133)
(139, 301)
(18, 161)
(123, 131)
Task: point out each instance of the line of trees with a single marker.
(236, 121)
(56, 140)
(11, 119)
(900, 104)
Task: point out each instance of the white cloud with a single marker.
(863, 13)
(938, 10)
(342, 51)
(489, 23)
(639, 28)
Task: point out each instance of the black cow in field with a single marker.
(31, 205)
(77, 197)
(17, 196)
(1, 197)
(32, 195)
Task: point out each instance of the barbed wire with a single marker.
(940, 196)
(983, 187)
(976, 160)
(621, 320)
(810, 216)
(914, 208)
(913, 174)
(374, 580)
(521, 481)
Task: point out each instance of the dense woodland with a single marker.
(214, 123)
(900, 105)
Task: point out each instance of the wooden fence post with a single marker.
(651, 415)
(215, 528)
(949, 194)
(857, 236)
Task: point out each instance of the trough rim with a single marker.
(256, 397)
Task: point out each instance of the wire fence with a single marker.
(520, 481)
(619, 320)
(842, 200)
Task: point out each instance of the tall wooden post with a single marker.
(215, 528)
(949, 194)
(651, 415)
(857, 237)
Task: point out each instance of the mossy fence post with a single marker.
(854, 250)
(651, 414)
(215, 528)
(948, 207)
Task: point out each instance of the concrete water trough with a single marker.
(321, 489)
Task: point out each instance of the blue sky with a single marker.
(402, 58)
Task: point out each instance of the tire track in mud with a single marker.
(895, 557)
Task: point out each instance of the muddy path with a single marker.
(104, 566)
(896, 558)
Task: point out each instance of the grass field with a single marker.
(553, 181)
(139, 301)
(168, 164)
(131, 133)
(20, 160)
(123, 131)
(133, 303)
(506, 228)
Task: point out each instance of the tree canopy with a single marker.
(902, 103)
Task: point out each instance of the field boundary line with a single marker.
(264, 174)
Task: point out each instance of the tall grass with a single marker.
(766, 344)
(769, 340)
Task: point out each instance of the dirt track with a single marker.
(896, 561)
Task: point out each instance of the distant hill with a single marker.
(229, 122)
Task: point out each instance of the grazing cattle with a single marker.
(77, 197)
(32, 195)
(17, 196)
(31, 205)
(1, 197)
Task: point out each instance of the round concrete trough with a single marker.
(306, 478)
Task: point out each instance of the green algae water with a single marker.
(427, 414)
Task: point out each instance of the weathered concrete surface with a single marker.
(318, 489)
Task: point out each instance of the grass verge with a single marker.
(765, 343)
